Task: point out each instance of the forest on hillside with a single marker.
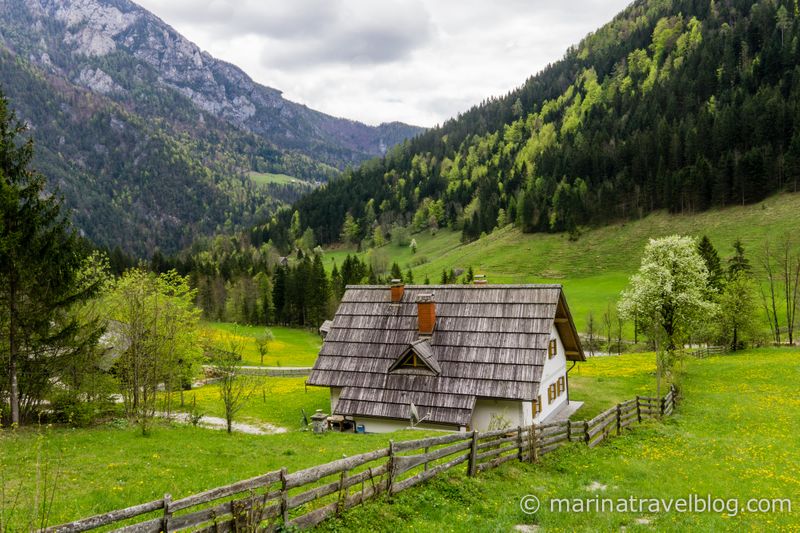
(675, 104)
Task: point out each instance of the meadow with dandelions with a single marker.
(731, 436)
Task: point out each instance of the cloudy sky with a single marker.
(418, 61)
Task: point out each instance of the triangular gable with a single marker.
(418, 357)
(567, 331)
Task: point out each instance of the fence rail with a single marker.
(708, 351)
(279, 499)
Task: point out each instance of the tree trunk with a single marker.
(13, 347)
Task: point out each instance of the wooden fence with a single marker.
(708, 351)
(302, 499)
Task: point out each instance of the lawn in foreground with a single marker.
(113, 466)
(106, 468)
(291, 347)
(732, 436)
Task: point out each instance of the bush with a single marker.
(70, 410)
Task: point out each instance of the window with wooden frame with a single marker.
(411, 361)
(552, 349)
(537, 406)
(551, 393)
(561, 385)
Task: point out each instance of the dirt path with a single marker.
(215, 422)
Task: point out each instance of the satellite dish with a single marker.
(414, 415)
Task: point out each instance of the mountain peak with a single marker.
(153, 141)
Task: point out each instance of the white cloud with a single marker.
(418, 61)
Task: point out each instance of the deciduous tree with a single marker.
(669, 293)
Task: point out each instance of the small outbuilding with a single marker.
(466, 356)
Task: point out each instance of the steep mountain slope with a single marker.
(676, 104)
(151, 139)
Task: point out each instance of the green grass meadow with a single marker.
(264, 178)
(731, 436)
(291, 347)
(278, 401)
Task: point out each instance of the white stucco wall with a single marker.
(335, 391)
(512, 410)
(553, 369)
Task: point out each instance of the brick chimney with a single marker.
(426, 314)
(397, 288)
(480, 279)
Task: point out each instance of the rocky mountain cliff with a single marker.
(118, 49)
(141, 128)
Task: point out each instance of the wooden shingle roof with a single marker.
(489, 341)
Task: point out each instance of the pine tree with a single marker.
(39, 258)
(409, 277)
(318, 292)
(712, 261)
(396, 272)
(738, 262)
(279, 294)
(337, 286)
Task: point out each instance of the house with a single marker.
(464, 355)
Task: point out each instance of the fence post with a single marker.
(425, 466)
(340, 505)
(638, 409)
(389, 486)
(284, 498)
(519, 443)
(586, 431)
(473, 453)
(534, 445)
(472, 466)
(167, 513)
(619, 419)
(569, 430)
(662, 405)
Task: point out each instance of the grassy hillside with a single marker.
(729, 438)
(596, 267)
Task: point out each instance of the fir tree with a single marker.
(738, 262)
(712, 261)
(39, 259)
(396, 273)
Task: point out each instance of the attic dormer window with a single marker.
(411, 361)
(418, 358)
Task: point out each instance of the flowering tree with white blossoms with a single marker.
(669, 294)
